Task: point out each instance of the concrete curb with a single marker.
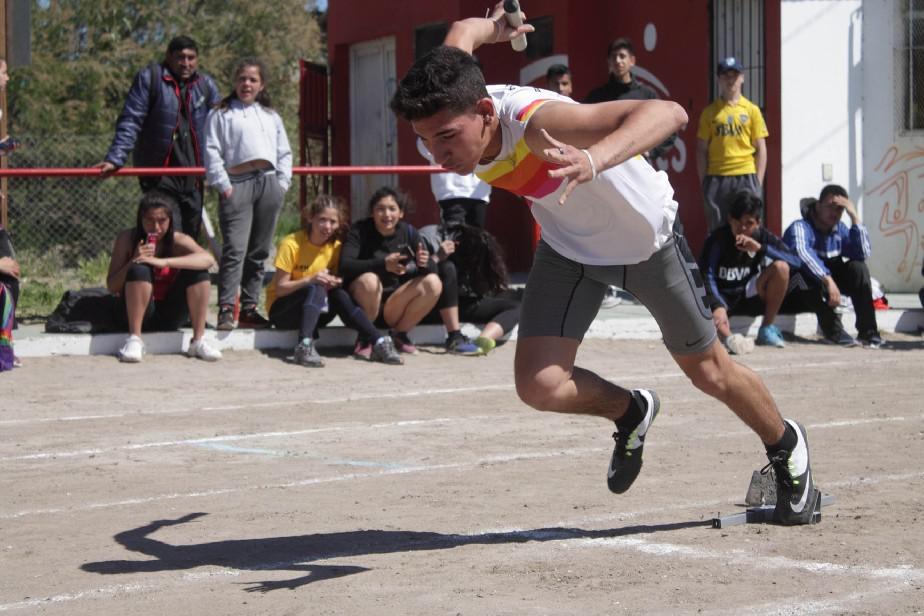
(629, 322)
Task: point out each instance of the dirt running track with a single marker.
(257, 487)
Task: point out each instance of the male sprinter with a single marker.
(606, 218)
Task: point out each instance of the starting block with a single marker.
(761, 501)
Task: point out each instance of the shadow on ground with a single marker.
(295, 553)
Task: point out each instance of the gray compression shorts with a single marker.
(562, 296)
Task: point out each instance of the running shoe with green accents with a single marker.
(627, 457)
(795, 490)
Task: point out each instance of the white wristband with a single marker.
(593, 167)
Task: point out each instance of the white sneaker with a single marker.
(739, 345)
(200, 349)
(132, 351)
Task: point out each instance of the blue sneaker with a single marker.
(460, 344)
(770, 335)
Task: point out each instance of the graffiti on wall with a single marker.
(896, 197)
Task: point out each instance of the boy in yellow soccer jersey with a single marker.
(731, 148)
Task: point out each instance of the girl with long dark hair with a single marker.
(162, 277)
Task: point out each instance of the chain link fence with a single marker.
(67, 218)
(63, 227)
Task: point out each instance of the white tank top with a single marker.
(621, 217)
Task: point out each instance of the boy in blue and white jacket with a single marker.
(835, 256)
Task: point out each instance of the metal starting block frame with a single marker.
(761, 497)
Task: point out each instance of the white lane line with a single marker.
(843, 604)
(92, 593)
(229, 438)
(401, 470)
(620, 378)
(904, 574)
(257, 435)
(499, 459)
(747, 559)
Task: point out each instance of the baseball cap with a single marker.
(730, 63)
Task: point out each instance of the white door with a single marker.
(373, 130)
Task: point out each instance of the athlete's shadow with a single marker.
(294, 553)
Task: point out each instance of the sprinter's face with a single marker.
(458, 141)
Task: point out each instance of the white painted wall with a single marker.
(893, 160)
(838, 101)
(821, 99)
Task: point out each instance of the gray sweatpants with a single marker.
(248, 221)
(718, 192)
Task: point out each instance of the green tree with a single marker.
(86, 52)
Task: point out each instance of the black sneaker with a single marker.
(251, 319)
(225, 318)
(871, 339)
(840, 338)
(627, 457)
(795, 491)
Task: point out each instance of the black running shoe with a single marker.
(627, 457)
(795, 491)
(871, 340)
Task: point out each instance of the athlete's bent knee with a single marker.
(539, 392)
(711, 378)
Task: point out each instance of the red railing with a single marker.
(156, 171)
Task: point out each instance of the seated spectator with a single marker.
(249, 162)
(747, 271)
(162, 277)
(835, 259)
(558, 79)
(387, 269)
(306, 292)
(471, 267)
(9, 298)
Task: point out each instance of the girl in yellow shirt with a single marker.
(306, 292)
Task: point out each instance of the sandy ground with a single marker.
(255, 486)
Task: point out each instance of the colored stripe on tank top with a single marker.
(524, 174)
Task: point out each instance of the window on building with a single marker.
(427, 37)
(539, 44)
(738, 30)
(911, 63)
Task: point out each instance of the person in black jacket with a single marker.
(747, 270)
(386, 268)
(163, 124)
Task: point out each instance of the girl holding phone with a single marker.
(162, 277)
(387, 269)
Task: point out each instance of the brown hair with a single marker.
(320, 203)
(263, 97)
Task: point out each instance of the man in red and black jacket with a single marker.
(163, 124)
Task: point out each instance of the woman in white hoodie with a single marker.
(249, 161)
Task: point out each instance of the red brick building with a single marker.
(372, 44)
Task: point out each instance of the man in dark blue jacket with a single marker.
(163, 124)
(835, 256)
